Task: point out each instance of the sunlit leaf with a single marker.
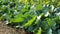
(30, 22)
(39, 7)
(39, 31)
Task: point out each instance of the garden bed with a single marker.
(4, 29)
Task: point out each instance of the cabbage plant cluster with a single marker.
(37, 16)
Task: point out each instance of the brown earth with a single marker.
(4, 29)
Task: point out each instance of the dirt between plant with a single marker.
(4, 29)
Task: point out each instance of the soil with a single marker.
(4, 29)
